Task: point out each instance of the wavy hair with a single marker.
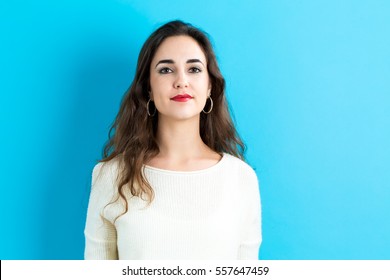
(132, 136)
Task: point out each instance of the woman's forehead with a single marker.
(179, 48)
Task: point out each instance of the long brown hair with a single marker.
(132, 136)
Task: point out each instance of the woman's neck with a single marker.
(181, 147)
(180, 140)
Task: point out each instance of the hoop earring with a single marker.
(211, 107)
(147, 109)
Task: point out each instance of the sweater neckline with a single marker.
(167, 171)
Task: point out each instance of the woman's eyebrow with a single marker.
(170, 61)
(194, 60)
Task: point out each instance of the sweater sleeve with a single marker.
(252, 236)
(100, 233)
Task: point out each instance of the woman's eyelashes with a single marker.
(195, 70)
(167, 70)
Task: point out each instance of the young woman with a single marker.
(172, 183)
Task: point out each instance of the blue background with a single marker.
(309, 86)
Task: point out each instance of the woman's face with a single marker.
(179, 79)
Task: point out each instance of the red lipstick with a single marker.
(181, 98)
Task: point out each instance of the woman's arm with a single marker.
(252, 236)
(100, 233)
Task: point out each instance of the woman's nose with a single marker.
(181, 81)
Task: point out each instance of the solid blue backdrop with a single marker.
(308, 83)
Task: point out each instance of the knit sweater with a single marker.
(212, 213)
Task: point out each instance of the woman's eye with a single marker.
(165, 70)
(194, 70)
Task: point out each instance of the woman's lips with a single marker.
(181, 98)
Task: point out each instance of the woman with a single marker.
(172, 183)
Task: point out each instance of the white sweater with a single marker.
(212, 213)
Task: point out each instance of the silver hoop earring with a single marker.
(147, 109)
(211, 107)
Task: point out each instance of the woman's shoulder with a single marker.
(242, 174)
(106, 169)
(238, 164)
